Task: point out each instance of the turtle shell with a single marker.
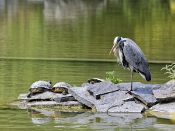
(61, 87)
(42, 84)
(94, 80)
(39, 87)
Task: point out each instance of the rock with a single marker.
(145, 95)
(117, 98)
(82, 95)
(101, 88)
(127, 86)
(53, 103)
(142, 92)
(136, 86)
(47, 96)
(64, 98)
(166, 107)
(130, 106)
(148, 99)
(121, 99)
(166, 92)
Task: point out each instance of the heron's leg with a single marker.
(131, 79)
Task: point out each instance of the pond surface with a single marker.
(69, 40)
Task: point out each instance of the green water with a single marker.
(69, 40)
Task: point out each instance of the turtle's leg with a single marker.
(29, 95)
(65, 92)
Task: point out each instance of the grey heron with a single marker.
(131, 57)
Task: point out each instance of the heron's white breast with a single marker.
(120, 58)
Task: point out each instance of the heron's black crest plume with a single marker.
(119, 38)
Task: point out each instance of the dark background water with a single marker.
(69, 40)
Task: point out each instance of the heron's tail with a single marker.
(146, 75)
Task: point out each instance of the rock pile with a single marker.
(105, 96)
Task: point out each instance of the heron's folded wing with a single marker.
(135, 57)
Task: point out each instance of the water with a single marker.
(69, 40)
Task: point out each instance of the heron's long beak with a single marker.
(114, 46)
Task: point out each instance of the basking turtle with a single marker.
(61, 87)
(94, 80)
(39, 87)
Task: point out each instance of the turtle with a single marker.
(94, 80)
(61, 87)
(39, 87)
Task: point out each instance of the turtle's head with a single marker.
(115, 43)
(50, 82)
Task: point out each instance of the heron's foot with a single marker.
(129, 92)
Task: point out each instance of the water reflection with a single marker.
(71, 10)
(98, 121)
(85, 29)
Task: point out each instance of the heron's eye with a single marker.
(119, 38)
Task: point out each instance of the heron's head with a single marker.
(115, 44)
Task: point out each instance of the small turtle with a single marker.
(39, 87)
(61, 87)
(94, 80)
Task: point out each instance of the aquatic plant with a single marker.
(112, 76)
(170, 70)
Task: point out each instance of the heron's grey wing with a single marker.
(136, 58)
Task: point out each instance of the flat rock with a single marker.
(101, 88)
(53, 103)
(46, 96)
(129, 106)
(136, 86)
(23, 104)
(122, 101)
(64, 98)
(145, 95)
(143, 92)
(82, 95)
(166, 107)
(166, 93)
(117, 98)
(127, 86)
